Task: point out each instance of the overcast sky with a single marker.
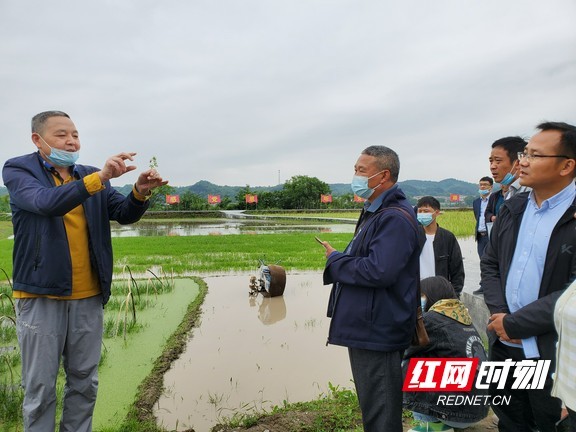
(250, 91)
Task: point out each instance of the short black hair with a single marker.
(39, 119)
(513, 145)
(568, 136)
(487, 179)
(429, 201)
(436, 288)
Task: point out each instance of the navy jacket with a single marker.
(476, 207)
(537, 318)
(41, 255)
(373, 300)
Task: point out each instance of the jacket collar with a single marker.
(50, 168)
(517, 204)
(394, 194)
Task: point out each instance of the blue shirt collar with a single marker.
(569, 192)
(375, 205)
(48, 166)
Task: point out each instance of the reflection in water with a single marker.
(224, 227)
(240, 360)
(270, 309)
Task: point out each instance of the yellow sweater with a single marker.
(84, 279)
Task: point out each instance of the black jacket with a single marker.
(491, 206)
(537, 318)
(448, 257)
(453, 339)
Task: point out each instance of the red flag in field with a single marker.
(251, 198)
(172, 199)
(454, 197)
(358, 199)
(325, 198)
(214, 199)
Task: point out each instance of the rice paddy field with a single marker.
(137, 316)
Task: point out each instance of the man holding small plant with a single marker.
(61, 213)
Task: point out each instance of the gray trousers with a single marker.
(47, 331)
(378, 380)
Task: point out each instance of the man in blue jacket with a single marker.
(62, 271)
(529, 261)
(479, 208)
(374, 296)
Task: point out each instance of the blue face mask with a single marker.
(59, 157)
(360, 187)
(425, 218)
(483, 192)
(507, 180)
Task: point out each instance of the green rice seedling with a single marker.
(6, 361)
(7, 332)
(11, 394)
(109, 327)
(460, 222)
(133, 283)
(126, 305)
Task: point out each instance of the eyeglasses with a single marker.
(531, 157)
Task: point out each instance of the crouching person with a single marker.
(452, 335)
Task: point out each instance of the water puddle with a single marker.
(253, 353)
(256, 353)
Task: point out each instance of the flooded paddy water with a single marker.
(253, 353)
(225, 227)
(250, 354)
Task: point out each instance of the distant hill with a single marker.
(412, 188)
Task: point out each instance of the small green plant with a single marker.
(132, 296)
(11, 395)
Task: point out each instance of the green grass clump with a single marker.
(337, 411)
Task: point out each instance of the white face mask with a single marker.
(59, 157)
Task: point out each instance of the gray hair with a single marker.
(386, 159)
(39, 120)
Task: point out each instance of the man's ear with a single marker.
(569, 167)
(37, 140)
(386, 177)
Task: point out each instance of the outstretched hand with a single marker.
(115, 166)
(148, 180)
